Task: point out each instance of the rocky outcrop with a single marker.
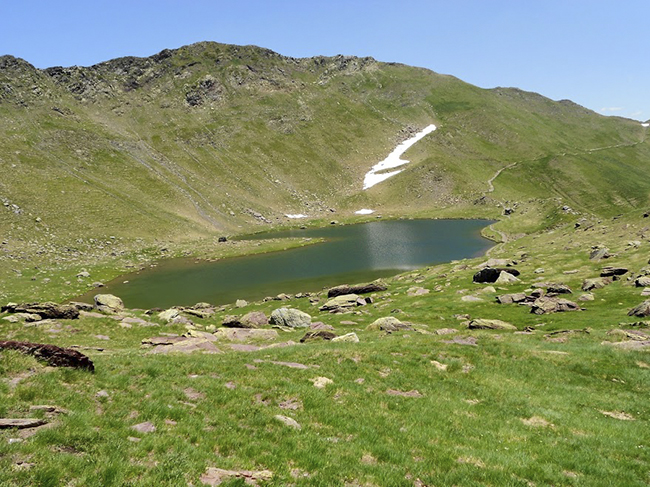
(546, 305)
(53, 355)
(46, 311)
(612, 271)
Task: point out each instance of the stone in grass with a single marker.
(288, 421)
(293, 318)
(546, 305)
(108, 303)
(417, 291)
(413, 393)
(490, 274)
(321, 382)
(216, 476)
(511, 298)
(241, 303)
(641, 310)
(243, 334)
(146, 427)
(481, 324)
(472, 299)
(388, 323)
(318, 335)
(586, 297)
(595, 283)
(348, 337)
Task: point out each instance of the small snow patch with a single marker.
(364, 211)
(393, 160)
(299, 215)
(645, 125)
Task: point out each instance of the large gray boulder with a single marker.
(107, 303)
(293, 318)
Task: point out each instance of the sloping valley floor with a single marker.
(559, 398)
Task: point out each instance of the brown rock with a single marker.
(546, 305)
(371, 287)
(55, 356)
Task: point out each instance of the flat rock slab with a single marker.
(471, 341)
(216, 476)
(481, 324)
(147, 427)
(413, 393)
(244, 334)
(21, 423)
(343, 289)
(242, 347)
(187, 345)
(55, 356)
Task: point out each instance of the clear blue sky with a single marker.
(594, 52)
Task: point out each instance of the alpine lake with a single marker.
(347, 254)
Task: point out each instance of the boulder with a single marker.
(342, 301)
(546, 305)
(506, 278)
(586, 297)
(371, 287)
(388, 323)
(643, 281)
(318, 335)
(293, 318)
(491, 274)
(641, 310)
(48, 310)
(558, 288)
(481, 324)
(107, 303)
(169, 315)
(241, 303)
(595, 283)
(254, 319)
(511, 298)
(598, 253)
(348, 337)
(612, 271)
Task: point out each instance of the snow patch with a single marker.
(364, 211)
(393, 160)
(299, 215)
(645, 125)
